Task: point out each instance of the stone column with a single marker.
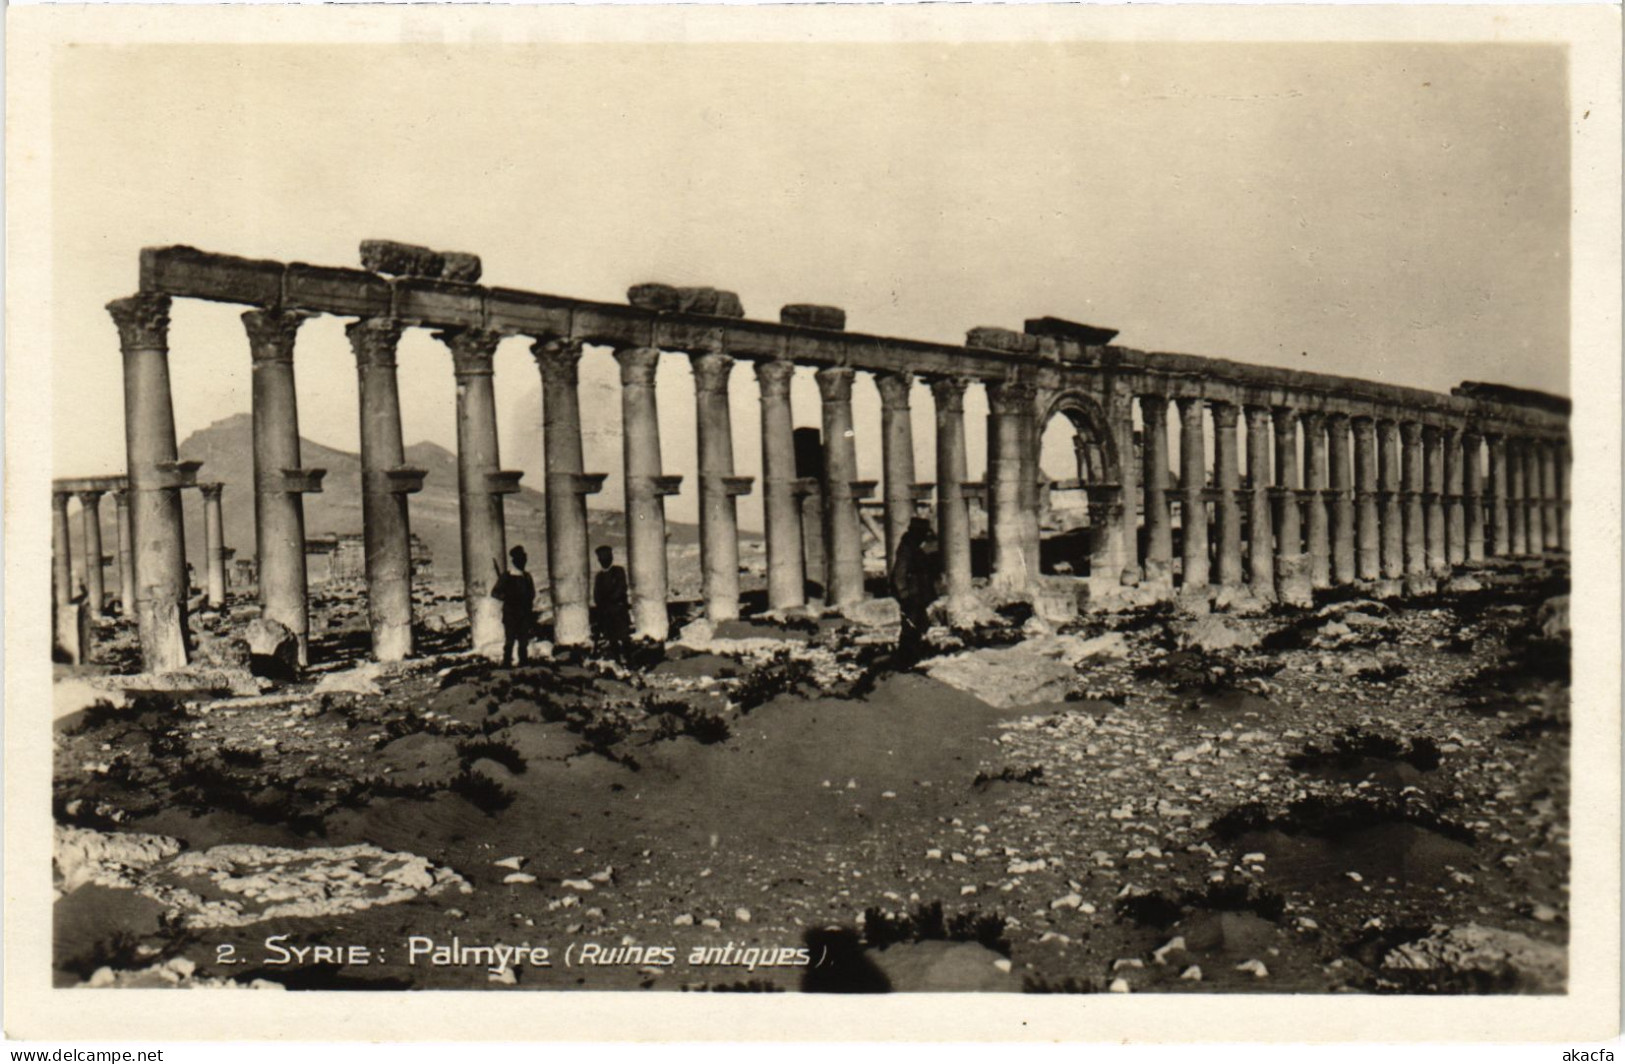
(126, 557)
(386, 480)
(61, 552)
(480, 487)
(1472, 496)
(1517, 501)
(1292, 579)
(1564, 472)
(786, 574)
(1227, 479)
(843, 535)
(1008, 403)
(1393, 520)
(1500, 537)
(1433, 547)
(214, 542)
(1342, 499)
(1415, 532)
(646, 487)
(1193, 488)
(1159, 529)
(156, 477)
(1260, 526)
(1367, 515)
(1553, 508)
(90, 515)
(719, 513)
(897, 450)
(1455, 520)
(1120, 418)
(569, 569)
(1034, 495)
(1535, 494)
(953, 518)
(1314, 485)
(279, 480)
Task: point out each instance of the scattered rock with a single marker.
(1526, 964)
(1552, 618)
(1213, 632)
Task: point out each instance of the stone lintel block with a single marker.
(186, 271)
(401, 260)
(404, 480)
(802, 487)
(530, 313)
(462, 267)
(676, 334)
(735, 486)
(302, 481)
(992, 338)
(1278, 492)
(1087, 335)
(807, 347)
(923, 491)
(424, 302)
(974, 489)
(182, 474)
(68, 485)
(608, 325)
(712, 302)
(348, 293)
(812, 316)
(661, 298)
(503, 481)
(666, 485)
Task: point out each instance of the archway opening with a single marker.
(1075, 454)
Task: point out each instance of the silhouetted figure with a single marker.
(516, 591)
(914, 585)
(614, 611)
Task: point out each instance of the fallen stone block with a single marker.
(1510, 959)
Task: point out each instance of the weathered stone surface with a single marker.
(1293, 580)
(271, 641)
(72, 695)
(1552, 619)
(660, 297)
(361, 680)
(1039, 670)
(994, 338)
(1215, 633)
(944, 967)
(1527, 964)
(110, 859)
(460, 266)
(1462, 583)
(717, 302)
(1242, 601)
(401, 260)
(1420, 584)
(873, 613)
(221, 652)
(813, 316)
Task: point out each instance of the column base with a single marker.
(1293, 580)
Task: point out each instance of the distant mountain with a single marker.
(226, 450)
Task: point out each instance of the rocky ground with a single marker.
(1365, 796)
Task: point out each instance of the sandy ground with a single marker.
(1366, 797)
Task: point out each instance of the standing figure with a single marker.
(914, 584)
(517, 593)
(614, 610)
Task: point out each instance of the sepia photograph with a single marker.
(690, 503)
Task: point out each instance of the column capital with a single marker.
(472, 350)
(1313, 420)
(373, 341)
(90, 498)
(835, 383)
(557, 358)
(1335, 418)
(949, 392)
(638, 364)
(1257, 416)
(1225, 414)
(894, 389)
(1285, 416)
(1450, 432)
(711, 370)
(1410, 432)
(142, 320)
(1153, 407)
(1431, 433)
(211, 490)
(271, 333)
(121, 496)
(1364, 426)
(1471, 437)
(1011, 396)
(60, 499)
(1495, 439)
(774, 376)
(1187, 403)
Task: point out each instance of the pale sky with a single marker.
(1395, 212)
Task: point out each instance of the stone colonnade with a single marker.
(1409, 498)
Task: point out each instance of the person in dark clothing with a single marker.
(914, 584)
(516, 591)
(610, 599)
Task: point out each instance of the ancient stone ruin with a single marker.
(1412, 497)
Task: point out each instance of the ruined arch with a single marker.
(1090, 423)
